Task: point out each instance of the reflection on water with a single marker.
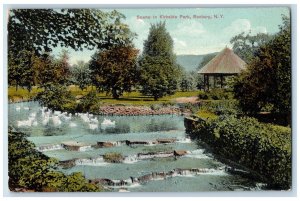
(147, 135)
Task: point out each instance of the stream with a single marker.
(158, 156)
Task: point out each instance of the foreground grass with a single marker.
(133, 98)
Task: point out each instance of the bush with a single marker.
(216, 94)
(56, 97)
(263, 148)
(87, 102)
(113, 157)
(222, 107)
(32, 170)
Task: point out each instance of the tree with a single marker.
(115, 70)
(63, 67)
(267, 80)
(55, 97)
(245, 45)
(81, 74)
(158, 69)
(43, 29)
(38, 31)
(188, 81)
(19, 68)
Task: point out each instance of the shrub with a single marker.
(87, 102)
(55, 97)
(32, 170)
(216, 94)
(263, 148)
(222, 107)
(113, 157)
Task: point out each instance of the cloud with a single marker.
(243, 25)
(141, 28)
(190, 28)
(192, 37)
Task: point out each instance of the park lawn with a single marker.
(22, 94)
(133, 98)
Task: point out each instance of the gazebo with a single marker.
(226, 63)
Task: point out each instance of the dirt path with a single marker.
(193, 99)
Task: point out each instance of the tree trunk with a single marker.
(115, 94)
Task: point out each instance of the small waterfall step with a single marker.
(158, 176)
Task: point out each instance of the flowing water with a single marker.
(148, 166)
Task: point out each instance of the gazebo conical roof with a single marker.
(226, 62)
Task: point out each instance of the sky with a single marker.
(197, 31)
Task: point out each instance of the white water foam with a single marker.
(72, 124)
(184, 140)
(52, 147)
(91, 162)
(198, 153)
(131, 159)
(86, 148)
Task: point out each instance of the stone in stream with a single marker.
(166, 140)
(145, 178)
(67, 163)
(180, 152)
(75, 146)
(150, 155)
(130, 143)
(105, 144)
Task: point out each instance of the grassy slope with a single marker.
(133, 98)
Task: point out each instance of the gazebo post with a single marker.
(207, 82)
(221, 81)
(214, 81)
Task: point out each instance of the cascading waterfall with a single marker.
(99, 161)
(50, 147)
(145, 152)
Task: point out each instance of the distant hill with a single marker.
(190, 62)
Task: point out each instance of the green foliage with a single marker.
(81, 75)
(44, 29)
(188, 81)
(159, 72)
(113, 157)
(20, 71)
(204, 114)
(246, 45)
(267, 80)
(223, 107)
(216, 94)
(263, 148)
(88, 102)
(32, 170)
(115, 70)
(56, 97)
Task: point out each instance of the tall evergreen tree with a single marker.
(159, 73)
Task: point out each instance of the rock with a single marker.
(105, 144)
(73, 145)
(166, 140)
(180, 152)
(129, 143)
(67, 163)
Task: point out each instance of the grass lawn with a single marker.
(133, 98)
(22, 94)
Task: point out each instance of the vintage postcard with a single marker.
(149, 99)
